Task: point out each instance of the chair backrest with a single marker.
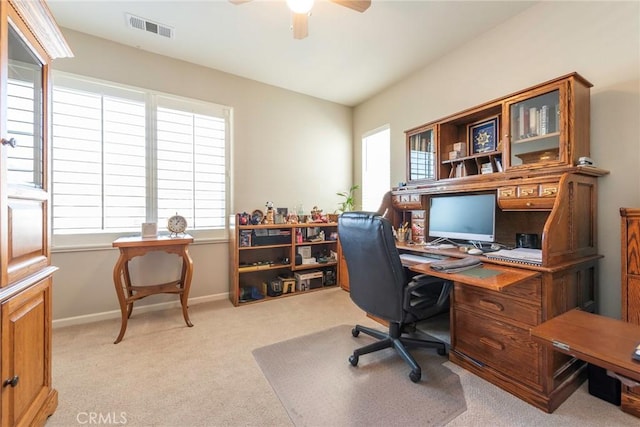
(376, 275)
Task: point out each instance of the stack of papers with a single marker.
(522, 255)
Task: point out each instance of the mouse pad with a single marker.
(480, 272)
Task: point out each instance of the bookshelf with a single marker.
(263, 258)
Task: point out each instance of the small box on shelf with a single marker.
(461, 148)
(309, 280)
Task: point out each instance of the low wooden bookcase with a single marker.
(260, 254)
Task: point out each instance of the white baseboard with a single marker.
(115, 314)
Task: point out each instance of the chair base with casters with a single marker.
(401, 344)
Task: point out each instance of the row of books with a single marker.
(536, 121)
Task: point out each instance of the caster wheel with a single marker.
(442, 351)
(355, 332)
(415, 376)
(353, 360)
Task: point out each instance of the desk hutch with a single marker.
(525, 148)
(29, 41)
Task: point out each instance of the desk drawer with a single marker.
(406, 201)
(528, 196)
(495, 303)
(499, 345)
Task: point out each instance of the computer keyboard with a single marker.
(440, 246)
(421, 258)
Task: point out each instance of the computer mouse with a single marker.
(474, 251)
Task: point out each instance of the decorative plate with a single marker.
(256, 217)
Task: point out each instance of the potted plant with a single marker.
(349, 201)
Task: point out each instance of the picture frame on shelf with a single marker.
(483, 135)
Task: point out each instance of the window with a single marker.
(123, 156)
(375, 168)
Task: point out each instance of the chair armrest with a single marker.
(420, 281)
(420, 297)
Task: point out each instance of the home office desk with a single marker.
(131, 247)
(494, 307)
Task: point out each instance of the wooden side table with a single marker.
(131, 247)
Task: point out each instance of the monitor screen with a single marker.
(463, 216)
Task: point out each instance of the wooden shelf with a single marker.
(251, 266)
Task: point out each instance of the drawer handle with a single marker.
(551, 191)
(526, 191)
(492, 343)
(491, 305)
(506, 193)
(13, 381)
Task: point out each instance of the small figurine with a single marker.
(292, 218)
(269, 216)
(244, 218)
(317, 215)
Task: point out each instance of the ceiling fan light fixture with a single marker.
(300, 6)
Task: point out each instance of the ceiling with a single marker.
(347, 57)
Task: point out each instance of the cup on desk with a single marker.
(401, 236)
(527, 240)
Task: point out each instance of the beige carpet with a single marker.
(318, 386)
(166, 374)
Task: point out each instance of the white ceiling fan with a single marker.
(301, 9)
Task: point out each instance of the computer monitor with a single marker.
(463, 216)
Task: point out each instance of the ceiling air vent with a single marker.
(150, 26)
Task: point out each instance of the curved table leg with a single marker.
(118, 273)
(187, 273)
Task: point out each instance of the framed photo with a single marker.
(483, 135)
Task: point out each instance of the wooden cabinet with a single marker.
(262, 254)
(541, 127)
(630, 268)
(29, 41)
(524, 148)
(27, 394)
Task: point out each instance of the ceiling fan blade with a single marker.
(239, 1)
(300, 27)
(357, 5)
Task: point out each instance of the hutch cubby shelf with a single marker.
(263, 253)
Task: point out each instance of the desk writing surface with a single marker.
(508, 276)
(602, 341)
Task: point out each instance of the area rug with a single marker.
(317, 385)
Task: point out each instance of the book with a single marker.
(533, 121)
(544, 120)
(521, 122)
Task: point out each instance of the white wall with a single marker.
(599, 40)
(287, 148)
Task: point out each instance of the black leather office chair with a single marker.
(379, 285)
